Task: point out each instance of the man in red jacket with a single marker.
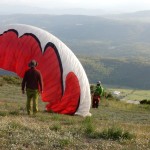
(33, 82)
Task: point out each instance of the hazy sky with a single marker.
(115, 5)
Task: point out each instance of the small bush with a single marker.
(64, 142)
(89, 129)
(68, 122)
(12, 80)
(14, 125)
(1, 84)
(115, 134)
(145, 101)
(15, 112)
(127, 135)
(3, 113)
(88, 126)
(56, 127)
(56, 117)
(108, 95)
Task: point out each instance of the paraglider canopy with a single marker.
(66, 86)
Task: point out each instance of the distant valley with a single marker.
(114, 48)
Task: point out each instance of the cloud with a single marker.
(99, 4)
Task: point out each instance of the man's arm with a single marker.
(23, 83)
(41, 82)
(102, 91)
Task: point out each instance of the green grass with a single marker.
(114, 125)
(115, 133)
(133, 94)
(17, 130)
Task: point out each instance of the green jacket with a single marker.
(99, 90)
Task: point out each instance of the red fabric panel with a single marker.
(70, 100)
(16, 53)
(7, 51)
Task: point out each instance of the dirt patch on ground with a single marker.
(130, 101)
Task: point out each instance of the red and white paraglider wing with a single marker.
(72, 64)
(66, 87)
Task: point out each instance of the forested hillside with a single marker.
(113, 49)
(118, 72)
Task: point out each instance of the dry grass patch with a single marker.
(110, 127)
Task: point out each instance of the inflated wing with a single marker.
(66, 87)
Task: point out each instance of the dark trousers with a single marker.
(95, 102)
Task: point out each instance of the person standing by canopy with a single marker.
(33, 82)
(98, 92)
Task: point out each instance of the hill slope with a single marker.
(113, 125)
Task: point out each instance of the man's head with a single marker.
(32, 64)
(98, 83)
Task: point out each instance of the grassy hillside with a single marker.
(114, 125)
(132, 94)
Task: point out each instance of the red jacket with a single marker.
(32, 79)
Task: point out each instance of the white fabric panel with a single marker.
(69, 61)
